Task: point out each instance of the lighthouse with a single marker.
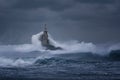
(44, 37)
(45, 42)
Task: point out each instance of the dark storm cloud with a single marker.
(87, 20)
(51, 4)
(91, 11)
(96, 1)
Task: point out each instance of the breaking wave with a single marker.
(68, 48)
(7, 62)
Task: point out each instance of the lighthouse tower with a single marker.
(44, 37)
(45, 42)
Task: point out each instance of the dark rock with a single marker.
(114, 55)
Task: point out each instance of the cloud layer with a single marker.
(85, 20)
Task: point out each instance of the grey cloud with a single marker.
(83, 11)
(96, 1)
(84, 20)
(51, 4)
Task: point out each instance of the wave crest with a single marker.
(68, 47)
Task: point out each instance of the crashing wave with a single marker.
(70, 47)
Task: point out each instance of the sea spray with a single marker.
(68, 47)
(35, 48)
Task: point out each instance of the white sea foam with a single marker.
(8, 62)
(68, 47)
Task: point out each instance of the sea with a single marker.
(76, 61)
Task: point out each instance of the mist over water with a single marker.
(76, 60)
(7, 52)
(69, 46)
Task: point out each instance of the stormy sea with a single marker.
(76, 61)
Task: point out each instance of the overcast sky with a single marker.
(96, 21)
